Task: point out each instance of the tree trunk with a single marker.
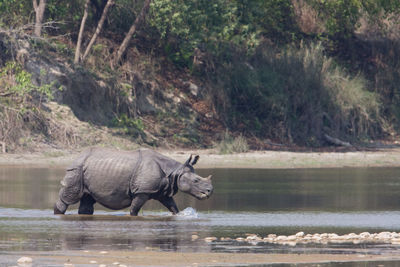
(81, 30)
(139, 19)
(39, 10)
(98, 29)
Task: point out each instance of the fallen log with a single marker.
(336, 141)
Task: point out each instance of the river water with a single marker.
(256, 201)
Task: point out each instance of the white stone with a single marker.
(300, 234)
(253, 237)
(281, 238)
(25, 260)
(316, 238)
(353, 235)
(395, 235)
(268, 240)
(365, 235)
(324, 235)
(210, 239)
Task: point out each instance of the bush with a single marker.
(295, 95)
(229, 145)
(130, 126)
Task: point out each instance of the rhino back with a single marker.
(107, 175)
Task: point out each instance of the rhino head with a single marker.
(193, 184)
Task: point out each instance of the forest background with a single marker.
(229, 74)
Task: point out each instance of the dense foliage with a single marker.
(287, 70)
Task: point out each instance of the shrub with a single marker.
(130, 126)
(229, 145)
(296, 94)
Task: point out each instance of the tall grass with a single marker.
(297, 94)
(230, 144)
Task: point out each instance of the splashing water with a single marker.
(189, 212)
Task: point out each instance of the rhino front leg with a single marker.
(86, 205)
(170, 204)
(137, 203)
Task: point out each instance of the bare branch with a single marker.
(81, 30)
(98, 29)
(139, 19)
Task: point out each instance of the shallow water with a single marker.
(244, 201)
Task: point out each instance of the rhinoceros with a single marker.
(119, 179)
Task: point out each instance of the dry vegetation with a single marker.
(311, 69)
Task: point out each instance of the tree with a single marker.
(39, 10)
(138, 21)
(98, 29)
(81, 30)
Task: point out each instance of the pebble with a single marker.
(92, 262)
(102, 265)
(210, 239)
(300, 234)
(25, 260)
(320, 238)
(195, 237)
(116, 263)
(103, 252)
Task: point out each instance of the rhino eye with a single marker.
(196, 180)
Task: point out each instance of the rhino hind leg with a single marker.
(137, 203)
(86, 205)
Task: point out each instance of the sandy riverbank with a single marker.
(153, 258)
(254, 159)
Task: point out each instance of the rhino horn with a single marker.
(209, 177)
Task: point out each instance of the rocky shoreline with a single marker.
(323, 238)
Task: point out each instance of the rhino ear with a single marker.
(196, 158)
(188, 161)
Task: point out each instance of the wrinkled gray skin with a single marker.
(119, 179)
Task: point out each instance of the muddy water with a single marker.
(245, 201)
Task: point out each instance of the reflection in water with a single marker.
(258, 190)
(355, 189)
(245, 201)
(98, 232)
